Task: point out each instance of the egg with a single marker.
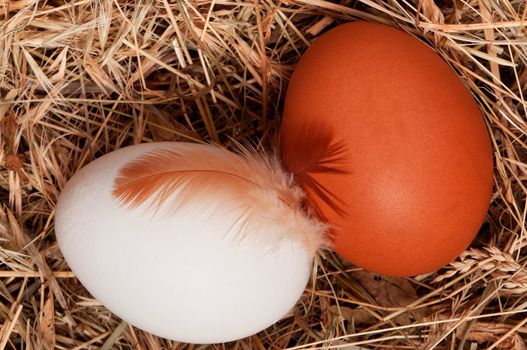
(390, 146)
(190, 242)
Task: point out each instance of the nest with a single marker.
(81, 78)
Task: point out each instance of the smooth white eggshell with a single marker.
(173, 275)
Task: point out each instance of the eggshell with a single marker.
(390, 135)
(173, 273)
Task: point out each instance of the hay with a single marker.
(79, 79)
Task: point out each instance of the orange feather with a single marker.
(193, 175)
(320, 153)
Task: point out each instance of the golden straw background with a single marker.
(79, 79)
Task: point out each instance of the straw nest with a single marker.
(81, 78)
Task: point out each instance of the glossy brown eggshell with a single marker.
(409, 179)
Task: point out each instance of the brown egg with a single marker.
(390, 147)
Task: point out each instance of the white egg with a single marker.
(188, 257)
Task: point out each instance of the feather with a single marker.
(189, 175)
(320, 153)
